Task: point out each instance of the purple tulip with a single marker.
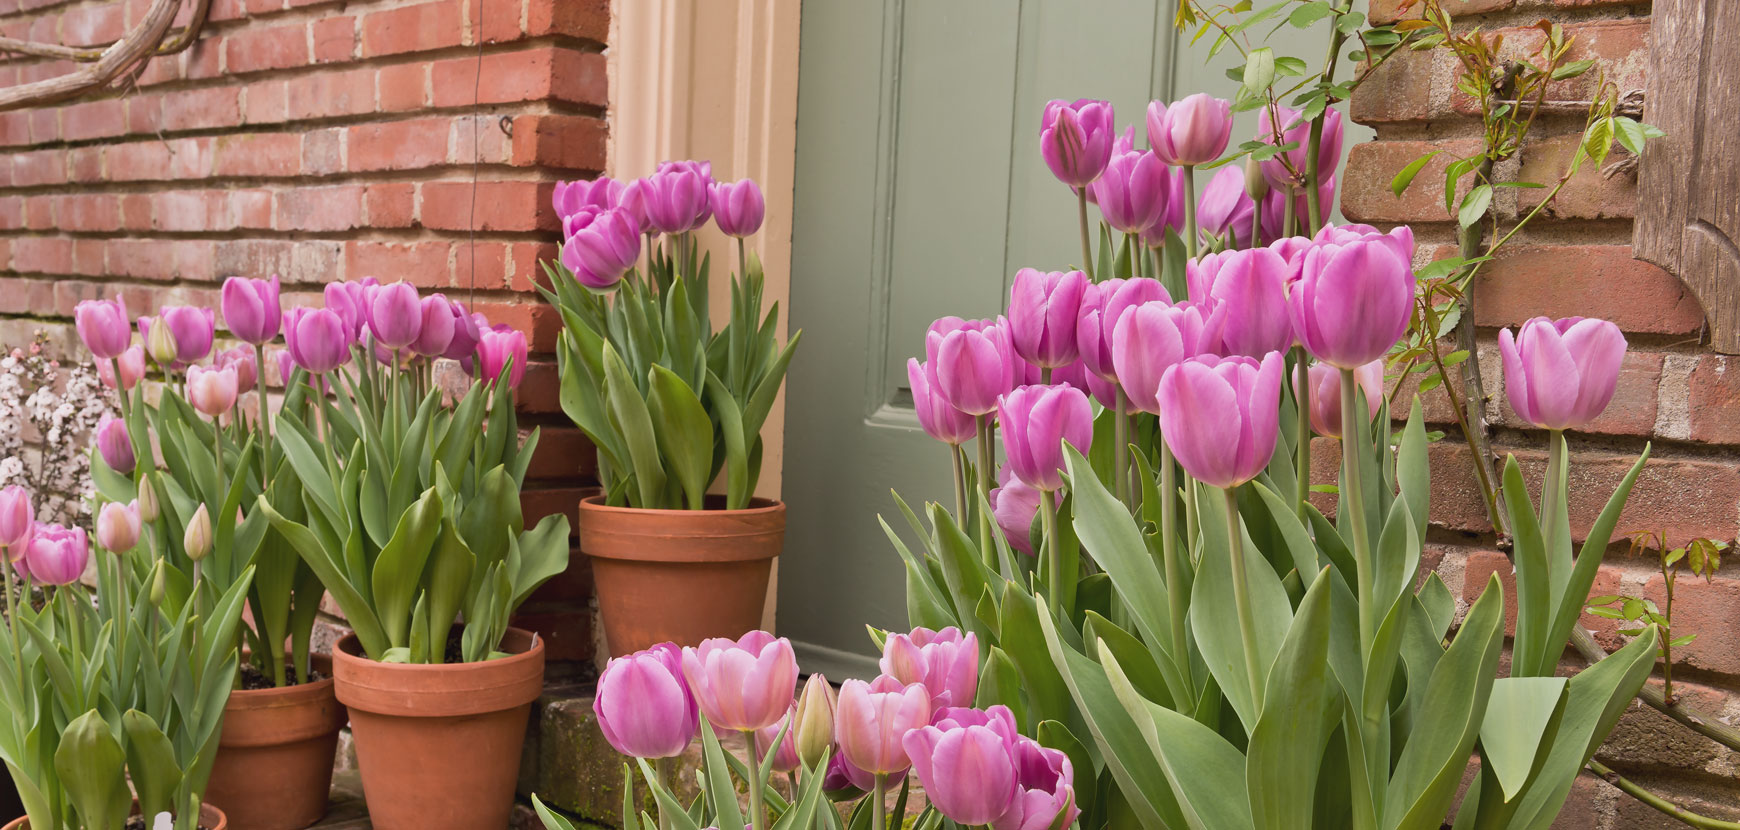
(1560, 374)
(1251, 285)
(873, 719)
(132, 362)
(104, 326)
(940, 419)
(1343, 234)
(1076, 139)
(1190, 132)
(785, 757)
(466, 334)
(600, 246)
(497, 348)
(1155, 235)
(968, 772)
(1326, 394)
(1292, 249)
(1296, 130)
(1353, 301)
(317, 339)
(346, 299)
(742, 685)
(1014, 505)
(58, 555)
(845, 780)
(1153, 337)
(241, 359)
(1042, 315)
(118, 526)
(435, 331)
(115, 445)
(1044, 790)
(1274, 202)
(738, 208)
(1102, 305)
(570, 197)
(644, 708)
(394, 314)
(1226, 208)
(192, 329)
(975, 366)
(251, 309)
(1219, 416)
(1037, 420)
(212, 391)
(676, 196)
(1132, 191)
(946, 663)
(17, 520)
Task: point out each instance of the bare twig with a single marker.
(140, 44)
(1637, 791)
(175, 41)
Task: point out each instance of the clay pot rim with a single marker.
(210, 815)
(757, 506)
(426, 690)
(279, 697)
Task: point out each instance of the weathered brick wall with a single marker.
(319, 140)
(1674, 393)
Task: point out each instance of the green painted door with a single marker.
(919, 191)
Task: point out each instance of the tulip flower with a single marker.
(435, 330)
(132, 365)
(644, 707)
(599, 246)
(940, 419)
(1132, 191)
(968, 772)
(1015, 504)
(1326, 394)
(58, 555)
(1225, 208)
(118, 526)
(845, 780)
(1251, 285)
(1042, 315)
(159, 342)
(1190, 132)
(785, 757)
(975, 366)
(115, 445)
(1219, 416)
(317, 339)
(147, 501)
(1102, 304)
(394, 314)
(1044, 790)
(251, 310)
(1296, 130)
(1176, 199)
(466, 333)
(497, 349)
(1151, 338)
(1273, 207)
(946, 663)
(1076, 139)
(192, 329)
(872, 720)
(240, 358)
(1560, 374)
(1037, 420)
(104, 327)
(742, 685)
(212, 391)
(196, 539)
(677, 196)
(570, 197)
(345, 299)
(17, 520)
(1353, 301)
(1344, 233)
(738, 208)
(813, 720)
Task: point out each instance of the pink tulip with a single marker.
(1326, 394)
(240, 358)
(1292, 249)
(1042, 315)
(1345, 233)
(58, 555)
(1155, 235)
(132, 362)
(104, 326)
(212, 391)
(846, 779)
(118, 526)
(1102, 304)
(946, 663)
(346, 300)
(1132, 191)
(1251, 285)
(1014, 505)
(738, 208)
(317, 339)
(1274, 208)
(1153, 337)
(466, 333)
(940, 419)
(1219, 416)
(503, 349)
(676, 196)
(394, 313)
(968, 772)
(1075, 139)
(785, 758)
(1296, 130)
(873, 719)
(975, 366)
(1190, 132)
(1225, 207)
(600, 246)
(1353, 301)
(1044, 790)
(251, 309)
(742, 685)
(1037, 420)
(191, 328)
(569, 197)
(644, 707)
(1560, 374)
(17, 520)
(115, 445)
(435, 331)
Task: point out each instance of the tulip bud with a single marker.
(197, 539)
(191, 328)
(395, 314)
(1219, 416)
(1190, 132)
(115, 445)
(677, 196)
(159, 341)
(317, 338)
(1042, 315)
(814, 721)
(1353, 301)
(435, 333)
(118, 526)
(738, 207)
(1256, 186)
(1037, 421)
(599, 246)
(1075, 139)
(213, 391)
(159, 584)
(147, 500)
(1560, 374)
(644, 708)
(503, 350)
(968, 770)
(251, 309)
(17, 519)
(58, 555)
(785, 756)
(103, 326)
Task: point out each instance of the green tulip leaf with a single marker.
(398, 570)
(685, 435)
(628, 413)
(1521, 717)
(1299, 713)
(151, 763)
(91, 765)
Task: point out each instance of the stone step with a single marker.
(349, 812)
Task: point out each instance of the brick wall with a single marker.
(1673, 391)
(320, 141)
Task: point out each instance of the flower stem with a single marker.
(1087, 250)
(960, 463)
(662, 767)
(1242, 597)
(1053, 565)
(1190, 211)
(1121, 450)
(265, 416)
(1289, 217)
(1302, 456)
(879, 808)
(757, 812)
(120, 388)
(1351, 508)
(742, 260)
(1177, 602)
(987, 475)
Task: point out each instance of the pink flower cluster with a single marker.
(603, 219)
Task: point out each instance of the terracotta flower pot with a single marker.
(210, 818)
(274, 765)
(679, 575)
(439, 746)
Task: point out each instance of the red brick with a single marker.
(323, 151)
(202, 109)
(229, 9)
(525, 271)
(1620, 49)
(391, 205)
(94, 119)
(1585, 280)
(1710, 609)
(1398, 90)
(531, 75)
(42, 254)
(563, 452)
(44, 123)
(424, 264)
(250, 209)
(541, 392)
(404, 86)
(39, 167)
(145, 113)
(1633, 409)
(1366, 194)
(490, 260)
(589, 19)
(329, 94)
(481, 139)
(1479, 567)
(334, 38)
(320, 208)
(137, 161)
(538, 503)
(182, 210)
(158, 259)
(1588, 195)
(495, 21)
(86, 162)
(190, 158)
(11, 212)
(1713, 403)
(88, 256)
(499, 206)
(136, 212)
(203, 62)
(398, 145)
(308, 261)
(1389, 11)
(536, 318)
(563, 141)
(39, 213)
(92, 25)
(27, 297)
(268, 102)
(88, 212)
(258, 154)
(419, 28)
(258, 50)
(257, 7)
(14, 129)
(565, 628)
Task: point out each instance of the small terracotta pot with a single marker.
(274, 764)
(679, 575)
(211, 818)
(439, 746)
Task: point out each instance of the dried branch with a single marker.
(176, 41)
(138, 45)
